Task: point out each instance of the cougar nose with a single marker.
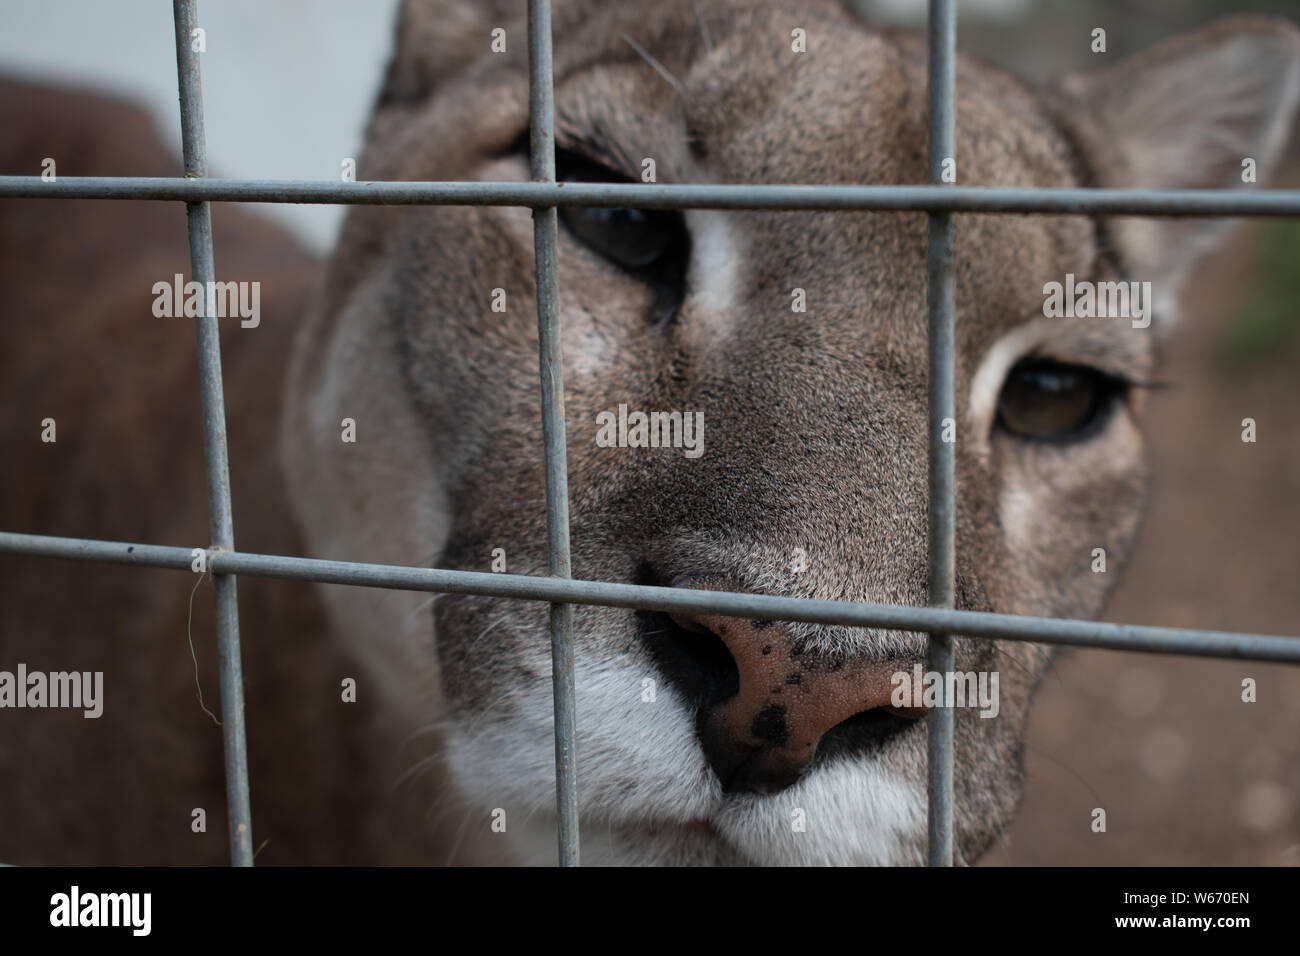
(762, 739)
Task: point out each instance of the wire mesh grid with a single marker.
(940, 620)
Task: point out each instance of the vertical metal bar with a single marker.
(220, 520)
(942, 34)
(545, 227)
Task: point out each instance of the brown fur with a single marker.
(83, 347)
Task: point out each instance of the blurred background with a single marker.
(1187, 772)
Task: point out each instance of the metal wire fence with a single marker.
(544, 195)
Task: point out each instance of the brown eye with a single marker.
(1050, 401)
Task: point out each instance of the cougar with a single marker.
(410, 419)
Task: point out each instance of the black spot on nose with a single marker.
(769, 725)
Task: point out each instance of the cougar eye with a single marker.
(631, 238)
(652, 245)
(1051, 401)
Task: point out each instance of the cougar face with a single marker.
(800, 338)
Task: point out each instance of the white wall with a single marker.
(286, 83)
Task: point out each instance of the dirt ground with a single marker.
(1188, 773)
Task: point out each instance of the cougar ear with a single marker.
(435, 39)
(1188, 114)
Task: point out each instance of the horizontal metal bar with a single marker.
(1011, 627)
(1144, 202)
